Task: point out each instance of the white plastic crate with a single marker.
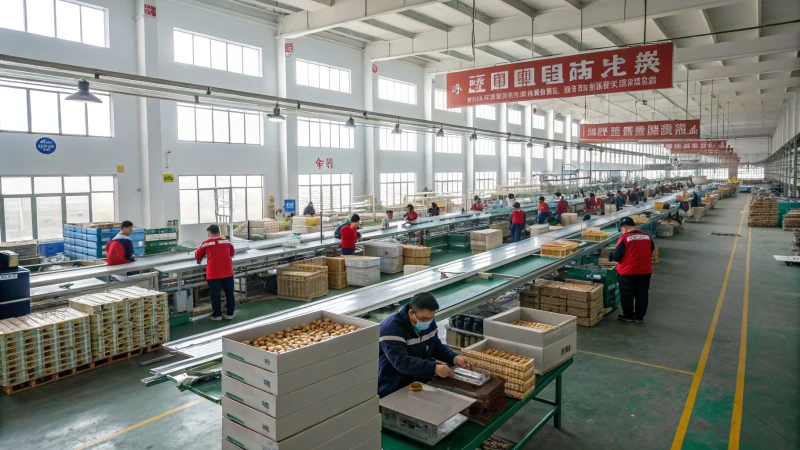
(392, 265)
(361, 262)
(364, 276)
(383, 249)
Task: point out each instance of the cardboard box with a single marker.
(545, 358)
(373, 443)
(539, 229)
(306, 356)
(285, 427)
(408, 269)
(309, 439)
(499, 326)
(569, 218)
(280, 406)
(589, 322)
(357, 438)
(279, 384)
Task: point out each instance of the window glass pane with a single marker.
(44, 112)
(102, 207)
(324, 77)
(255, 203)
(47, 185)
(237, 128)
(239, 205)
(188, 206)
(219, 59)
(254, 180)
(204, 125)
(13, 108)
(202, 51)
(182, 46)
(100, 117)
(40, 17)
(73, 116)
(93, 26)
(68, 21)
(76, 184)
(251, 62)
(334, 79)
(223, 181)
(102, 184)
(238, 181)
(344, 81)
(313, 75)
(48, 217)
(207, 206)
(78, 208)
(301, 73)
(18, 219)
(205, 182)
(187, 182)
(221, 126)
(15, 185)
(253, 128)
(13, 16)
(234, 58)
(185, 123)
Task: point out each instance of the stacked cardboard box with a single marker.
(321, 396)
(363, 270)
(505, 227)
(124, 320)
(42, 344)
(337, 272)
(304, 225)
(791, 220)
(569, 218)
(160, 240)
(87, 241)
(28, 251)
(763, 213)
(416, 255)
(390, 253)
(483, 240)
(582, 299)
(262, 227)
(536, 230)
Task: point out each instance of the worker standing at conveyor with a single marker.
(561, 207)
(633, 253)
(219, 272)
(349, 235)
(517, 222)
(120, 249)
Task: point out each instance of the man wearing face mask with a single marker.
(409, 347)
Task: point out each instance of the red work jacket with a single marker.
(219, 252)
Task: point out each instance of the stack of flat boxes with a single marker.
(484, 240)
(319, 397)
(579, 298)
(337, 272)
(304, 225)
(390, 253)
(160, 240)
(28, 251)
(87, 241)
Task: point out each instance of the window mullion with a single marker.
(80, 24)
(55, 23)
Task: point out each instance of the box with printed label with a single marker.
(283, 405)
(285, 427)
(500, 326)
(233, 347)
(545, 358)
(279, 384)
(309, 439)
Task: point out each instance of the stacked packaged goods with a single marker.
(337, 272)
(303, 225)
(763, 212)
(87, 241)
(791, 220)
(654, 258)
(483, 240)
(308, 382)
(583, 299)
(594, 234)
(489, 397)
(569, 218)
(363, 270)
(416, 255)
(262, 227)
(160, 240)
(559, 249)
(28, 251)
(500, 358)
(390, 253)
(505, 227)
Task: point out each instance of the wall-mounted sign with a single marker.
(149, 10)
(639, 131)
(328, 163)
(289, 206)
(695, 146)
(169, 178)
(120, 169)
(288, 49)
(621, 70)
(46, 145)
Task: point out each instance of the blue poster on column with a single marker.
(46, 145)
(289, 206)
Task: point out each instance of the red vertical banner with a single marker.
(620, 70)
(639, 131)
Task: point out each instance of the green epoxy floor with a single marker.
(609, 403)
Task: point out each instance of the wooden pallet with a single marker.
(30, 384)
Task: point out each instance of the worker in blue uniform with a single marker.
(410, 345)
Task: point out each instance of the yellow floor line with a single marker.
(637, 362)
(738, 399)
(144, 422)
(683, 424)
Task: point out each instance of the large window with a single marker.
(486, 112)
(538, 122)
(558, 152)
(485, 147)
(79, 22)
(440, 101)
(397, 91)
(395, 187)
(403, 142)
(538, 151)
(514, 178)
(335, 189)
(574, 129)
(750, 172)
(37, 207)
(206, 51)
(558, 126)
(212, 124)
(449, 183)
(485, 180)
(322, 76)
(515, 149)
(42, 109)
(449, 144)
(515, 116)
(214, 198)
(324, 133)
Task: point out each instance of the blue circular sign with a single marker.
(46, 145)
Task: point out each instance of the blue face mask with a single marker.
(422, 326)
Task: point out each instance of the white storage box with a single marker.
(382, 249)
(311, 438)
(544, 358)
(499, 326)
(536, 230)
(285, 427)
(361, 262)
(408, 269)
(489, 238)
(609, 209)
(232, 346)
(364, 276)
(666, 230)
(391, 264)
(373, 443)
(282, 405)
(356, 438)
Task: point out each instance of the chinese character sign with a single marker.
(620, 70)
(709, 147)
(639, 131)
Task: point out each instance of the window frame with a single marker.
(486, 112)
(517, 114)
(538, 118)
(407, 141)
(329, 67)
(558, 126)
(485, 180)
(517, 153)
(408, 186)
(440, 102)
(312, 120)
(443, 182)
(106, 34)
(514, 176)
(343, 205)
(447, 143)
(229, 187)
(228, 111)
(481, 147)
(227, 52)
(383, 81)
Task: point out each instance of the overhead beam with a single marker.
(574, 3)
(390, 28)
(780, 65)
(425, 20)
(537, 49)
(575, 45)
(611, 37)
(458, 55)
(779, 43)
(521, 7)
(496, 53)
(429, 58)
(310, 5)
(341, 31)
(468, 11)
(710, 27)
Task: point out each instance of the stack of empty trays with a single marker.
(484, 240)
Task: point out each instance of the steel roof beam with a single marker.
(425, 20)
(497, 53)
(468, 11)
(390, 28)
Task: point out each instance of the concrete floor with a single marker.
(627, 388)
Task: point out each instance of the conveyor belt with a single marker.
(383, 294)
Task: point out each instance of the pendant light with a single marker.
(474, 136)
(275, 115)
(350, 123)
(83, 95)
(440, 133)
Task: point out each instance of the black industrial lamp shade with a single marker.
(473, 137)
(397, 129)
(351, 123)
(83, 94)
(275, 115)
(529, 144)
(547, 145)
(440, 133)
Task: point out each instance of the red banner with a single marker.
(638, 131)
(622, 70)
(694, 146)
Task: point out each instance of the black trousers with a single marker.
(215, 288)
(633, 292)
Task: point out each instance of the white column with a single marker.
(549, 152)
(568, 138)
(429, 137)
(581, 153)
(526, 160)
(370, 166)
(283, 136)
(503, 179)
(469, 177)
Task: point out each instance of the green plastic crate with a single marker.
(160, 230)
(606, 277)
(160, 244)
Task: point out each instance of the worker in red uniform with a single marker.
(544, 211)
(633, 253)
(561, 207)
(349, 235)
(599, 206)
(476, 204)
(411, 216)
(120, 249)
(517, 222)
(219, 272)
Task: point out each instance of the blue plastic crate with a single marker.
(51, 248)
(138, 251)
(102, 238)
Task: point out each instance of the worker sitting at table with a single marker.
(120, 249)
(410, 347)
(476, 204)
(387, 221)
(410, 215)
(219, 272)
(309, 210)
(544, 211)
(599, 205)
(517, 222)
(633, 253)
(561, 207)
(433, 210)
(349, 235)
